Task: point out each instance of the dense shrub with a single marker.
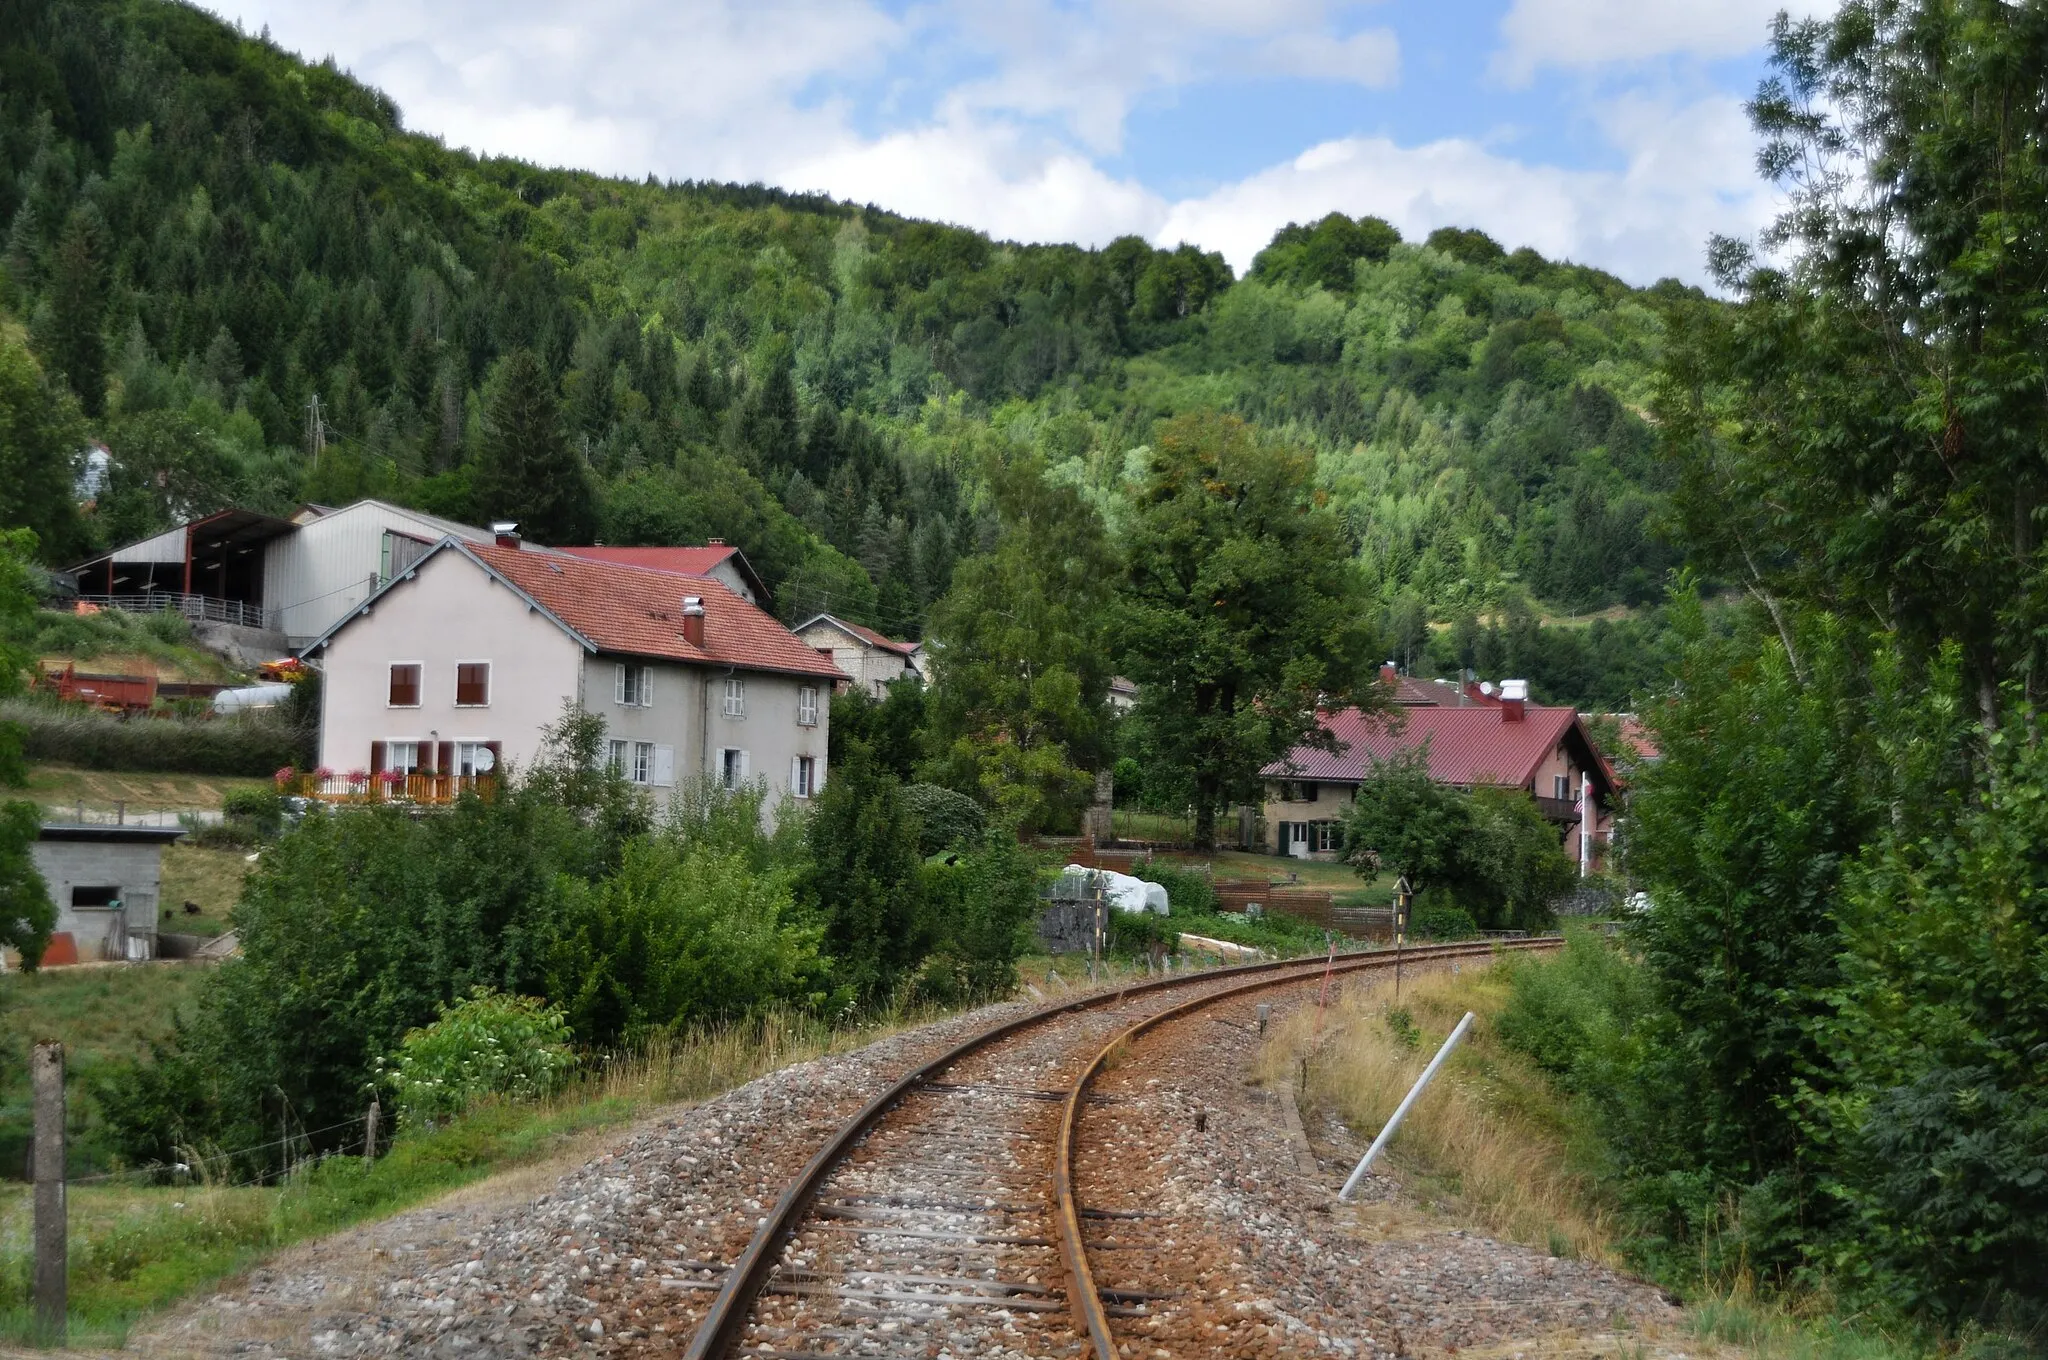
(1189, 891)
(258, 813)
(680, 933)
(945, 819)
(1436, 919)
(254, 744)
(488, 1044)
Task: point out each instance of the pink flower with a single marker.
(358, 776)
(323, 774)
(392, 777)
(286, 775)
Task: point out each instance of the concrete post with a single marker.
(46, 1072)
(370, 1137)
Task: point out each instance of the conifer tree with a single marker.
(527, 471)
(78, 305)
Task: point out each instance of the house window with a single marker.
(403, 756)
(633, 685)
(643, 762)
(800, 771)
(807, 706)
(405, 685)
(473, 758)
(732, 767)
(735, 697)
(1295, 791)
(615, 757)
(472, 684)
(95, 897)
(1325, 836)
(1561, 786)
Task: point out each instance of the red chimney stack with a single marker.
(693, 620)
(1514, 696)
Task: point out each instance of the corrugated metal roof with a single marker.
(1467, 746)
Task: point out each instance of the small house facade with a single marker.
(870, 660)
(105, 882)
(455, 668)
(1495, 740)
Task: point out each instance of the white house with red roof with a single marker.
(866, 657)
(1496, 739)
(454, 668)
(716, 559)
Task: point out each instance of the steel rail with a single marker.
(1081, 1287)
(721, 1327)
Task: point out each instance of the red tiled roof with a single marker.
(688, 561)
(1467, 746)
(867, 635)
(638, 611)
(1639, 738)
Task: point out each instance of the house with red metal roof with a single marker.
(869, 659)
(717, 559)
(1500, 740)
(454, 668)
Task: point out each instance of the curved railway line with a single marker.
(944, 1214)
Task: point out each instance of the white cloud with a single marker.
(1687, 175)
(1582, 34)
(997, 114)
(985, 176)
(1371, 58)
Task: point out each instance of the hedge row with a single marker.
(247, 744)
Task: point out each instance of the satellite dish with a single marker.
(486, 760)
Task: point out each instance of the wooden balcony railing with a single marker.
(423, 787)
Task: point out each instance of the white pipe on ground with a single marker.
(1407, 1103)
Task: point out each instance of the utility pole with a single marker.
(52, 1250)
(316, 430)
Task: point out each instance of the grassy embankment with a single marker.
(1495, 1145)
(136, 1247)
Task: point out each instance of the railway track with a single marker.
(943, 1216)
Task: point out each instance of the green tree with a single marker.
(27, 916)
(1862, 429)
(78, 308)
(864, 877)
(1404, 822)
(1019, 711)
(40, 437)
(526, 471)
(1242, 615)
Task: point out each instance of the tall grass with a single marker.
(256, 744)
(1490, 1132)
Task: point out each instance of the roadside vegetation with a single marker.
(1516, 1137)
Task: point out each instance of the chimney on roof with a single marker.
(693, 620)
(715, 542)
(1389, 673)
(1514, 697)
(507, 532)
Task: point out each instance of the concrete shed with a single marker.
(105, 882)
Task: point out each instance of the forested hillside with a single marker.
(258, 288)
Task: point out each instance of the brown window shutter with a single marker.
(376, 757)
(444, 760)
(497, 750)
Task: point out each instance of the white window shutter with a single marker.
(796, 774)
(744, 776)
(647, 687)
(665, 765)
(619, 683)
(817, 776)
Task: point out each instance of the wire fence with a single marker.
(155, 1172)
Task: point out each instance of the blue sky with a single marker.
(1604, 131)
